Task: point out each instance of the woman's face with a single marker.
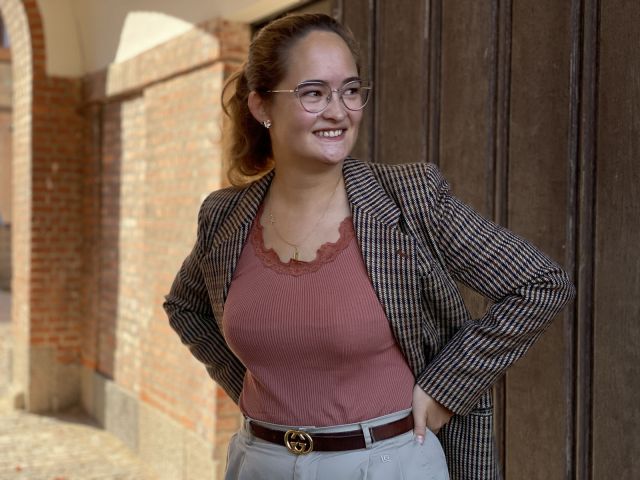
(316, 138)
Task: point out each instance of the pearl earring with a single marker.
(267, 124)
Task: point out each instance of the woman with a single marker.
(322, 296)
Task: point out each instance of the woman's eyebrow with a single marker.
(345, 81)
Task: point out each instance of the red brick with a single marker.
(116, 189)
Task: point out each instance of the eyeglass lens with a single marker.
(315, 96)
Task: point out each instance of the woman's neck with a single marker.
(304, 211)
(305, 188)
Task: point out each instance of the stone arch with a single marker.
(46, 231)
(19, 18)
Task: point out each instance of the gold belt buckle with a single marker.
(298, 442)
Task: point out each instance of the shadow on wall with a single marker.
(5, 342)
(5, 308)
(105, 254)
(5, 256)
(101, 258)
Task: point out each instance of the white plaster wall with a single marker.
(62, 42)
(83, 36)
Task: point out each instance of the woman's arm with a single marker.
(526, 287)
(190, 315)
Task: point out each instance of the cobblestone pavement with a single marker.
(66, 446)
(63, 447)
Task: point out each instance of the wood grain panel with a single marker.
(536, 420)
(581, 253)
(497, 168)
(510, 104)
(467, 101)
(401, 82)
(616, 416)
(359, 16)
(433, 27)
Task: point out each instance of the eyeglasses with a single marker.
(315, 95)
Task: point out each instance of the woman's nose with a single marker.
(335, 109)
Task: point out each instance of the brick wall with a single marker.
(17, 22)
(110, 171)
(152, 153)
(56, 232)
(56, 227)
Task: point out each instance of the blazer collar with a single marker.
(244, 211)
(390, 256)
(364, 192)
(367, 195)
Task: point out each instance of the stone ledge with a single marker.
(171, 450)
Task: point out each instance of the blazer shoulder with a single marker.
(411, 182)
(214, 210)
(407, 172)
(218, 202)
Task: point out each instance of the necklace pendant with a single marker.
(296, 254)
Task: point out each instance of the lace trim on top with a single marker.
(325, 254)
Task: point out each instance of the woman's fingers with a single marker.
(419, 414)
(427, 413)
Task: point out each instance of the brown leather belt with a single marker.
(301, 442)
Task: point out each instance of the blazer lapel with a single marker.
(228, 241)
(391, 258)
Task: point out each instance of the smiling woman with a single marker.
(300, 137)
(250, 148)
(322, 295)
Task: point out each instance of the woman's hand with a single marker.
(427, 413)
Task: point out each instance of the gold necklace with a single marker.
(295, 246)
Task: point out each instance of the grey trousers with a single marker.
(401, 457)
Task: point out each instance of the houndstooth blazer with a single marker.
(416, 240)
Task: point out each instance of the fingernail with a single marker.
(420, 439)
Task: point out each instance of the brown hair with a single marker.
(248, 143)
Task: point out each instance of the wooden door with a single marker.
(532, 111)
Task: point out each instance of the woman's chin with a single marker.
(336, 154)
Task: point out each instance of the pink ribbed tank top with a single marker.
(314, 337)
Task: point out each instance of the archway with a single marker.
(15, 14)
(46, 210)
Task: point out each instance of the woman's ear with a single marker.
(257, 106)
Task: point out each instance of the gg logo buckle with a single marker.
(298, 442)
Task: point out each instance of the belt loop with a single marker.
(367, 435)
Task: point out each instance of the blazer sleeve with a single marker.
(526, 287)
(189, 310)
